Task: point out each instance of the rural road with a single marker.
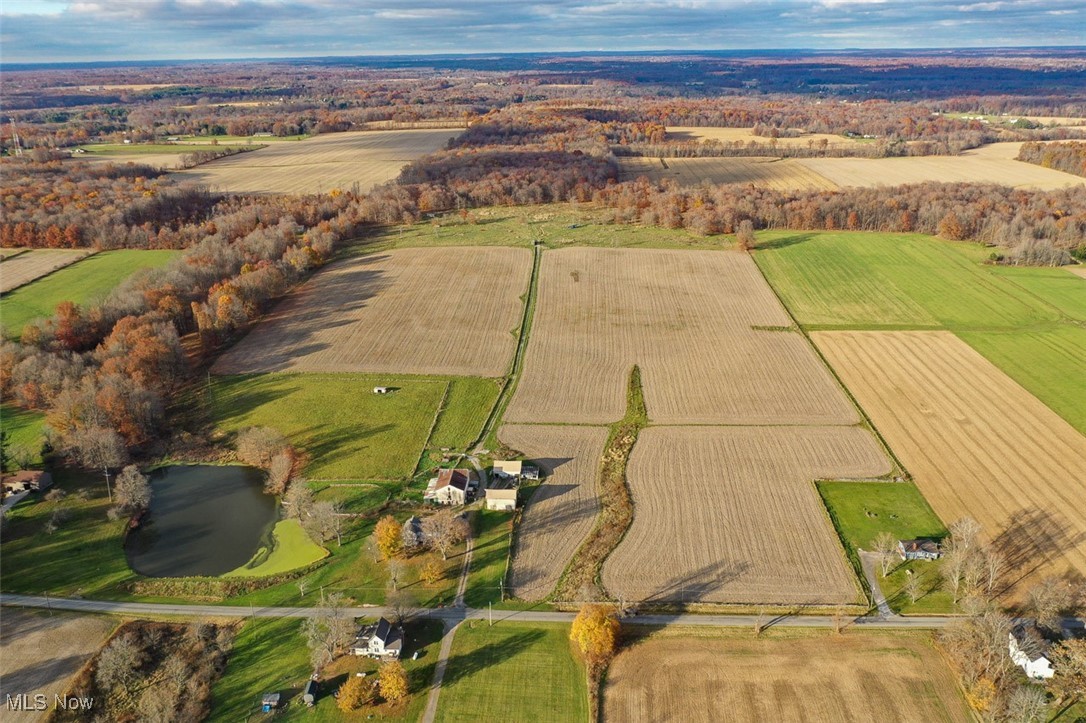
(456, 615)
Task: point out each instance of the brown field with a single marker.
(852, 677)
(1078, 270)
(781, 174)
(686, 318)
(562, 511)
(322, 163)
(410, 311)
(34, 264)
(976, 442)
(40, 652)
(165, 161)
(731, 515)
(8, 253)
(993, 163)
(731, 135)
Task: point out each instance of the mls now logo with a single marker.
(41, 702)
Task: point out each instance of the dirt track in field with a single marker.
(689, 319)
(25, 267)
(731, 515)
(853, 677)
(39, 653)
(977, 443)
(408, 311)
(562, 511)
(320, 164)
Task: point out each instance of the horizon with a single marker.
(61, 32)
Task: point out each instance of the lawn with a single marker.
(492, 532)
(356, 498)
(84, 282)
(25, 433)
(1026, 321)
(862, 510)
(465, 411)
(293, 548)
(346, 431)
(513, 672)
(249, 675)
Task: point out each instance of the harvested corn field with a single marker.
(780, 174)
(408, 311)
(855, 677)
(562, 511)
(20, 269)
(731, 515)
(976, 442)
(323, 163)
(746, 135)
(707, 331)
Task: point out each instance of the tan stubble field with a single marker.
(23, 268)
(410, 311)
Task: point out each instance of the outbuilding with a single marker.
(27, 480)
(505, 500)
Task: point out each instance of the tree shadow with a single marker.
(1030, 540)
(783, 242)
(698, 585)
(466, 665)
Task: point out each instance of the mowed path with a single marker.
(317, 165)
(711, 339)
(854, 677)
(731, 515)
(977, 443)
(562, 511)
(409, 311)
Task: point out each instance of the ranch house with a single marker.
(27, 481)
(919, 549)
(501, 500)
(383, 640)
(452, 487)
(1029, 651)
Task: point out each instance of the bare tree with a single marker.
(444, 530)
(886, 551)
(118, 665)
(913, 586)
(401, 604)
(395, 573)
(993, 566)
(324, 522)
(329, 632)
(298, 500)
(98, 448)
(279, 469)
(744, 235)
(1027, 704)
(759, 622)
(133, 490)
(1049, 599)
(259, 445)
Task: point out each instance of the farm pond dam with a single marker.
(204, 520)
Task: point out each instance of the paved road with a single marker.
(455, 615)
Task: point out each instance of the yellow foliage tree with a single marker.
(388, 537)
(392, 680)
(595, 630)
(981, 694)
(432, 572)
(354, 694)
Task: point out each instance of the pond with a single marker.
(204, 520)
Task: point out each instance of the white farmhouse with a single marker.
(1029, 652)
(383, 640)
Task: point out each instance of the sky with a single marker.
(42, 31)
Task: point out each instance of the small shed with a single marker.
(309, 693)
(381, 390)
(529, 472)
(505, 500)
(269, 702)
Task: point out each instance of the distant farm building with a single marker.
(383, 640)
(452, 487)
(27, 481)
(1029, 651)
(919, 550)
(508, 467)
(505, 500)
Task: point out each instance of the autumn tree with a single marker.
(1069, 661)
(98, 448)
(744, 235)
(595, 631)
(1049, 599)
(392, 681)
(355, 693)
(432, 572)
(133, 490)
(258, 446)
(388, 537)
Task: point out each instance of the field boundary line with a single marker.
(837, 378)
(513, 377)
(73, 262)
(441, 407)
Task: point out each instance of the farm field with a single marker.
(1079, 271)
(745, 135)
(88, 281)
(857, 677)
(992, 164)
(40, 652)
(408, 311)
(688, 319)
(22, 268)
(322, 163)
(732, 515)
(26, 433)
(781, 174)
(513, 672)
(1027, 321)
(346, 430)
(562, 510)
(977, 443)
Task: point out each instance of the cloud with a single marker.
(64, 30)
